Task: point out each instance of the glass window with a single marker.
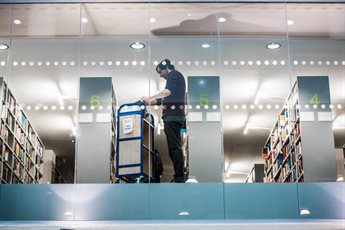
(316, 41)
(111, 93)
(115, 46)
(252, 63)
(43, 82)
(5, 25)
(255, 84)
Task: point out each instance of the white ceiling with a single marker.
(119, 19)
(50, 33)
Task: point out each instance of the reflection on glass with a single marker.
(51, 46)
(251, 118)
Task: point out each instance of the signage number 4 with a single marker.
(315, 100)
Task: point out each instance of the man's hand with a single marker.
(144, 100)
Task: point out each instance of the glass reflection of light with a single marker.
(68, 214)
(85, 193)
(304, 212)
(183, 213)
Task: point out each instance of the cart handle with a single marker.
(139, 103)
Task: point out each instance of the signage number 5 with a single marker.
(203, 99)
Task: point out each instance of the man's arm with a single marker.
(152, 100)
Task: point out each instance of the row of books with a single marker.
(278, 154)
(17, 144)
(21, 127)
(19, 137)
(286, 168)
(17, 161)
(21, 148)
(112, 170)
(14, 107)
(282, 150)
(6, 174)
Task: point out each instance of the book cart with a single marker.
(134, 144)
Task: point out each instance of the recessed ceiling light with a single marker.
(221, 19)
(153, 20)
(205, 45)
(84, 20)
(3, 46)
(290, 22)
(17, 21)
(273, 46)
(189, 15)
(137, 46)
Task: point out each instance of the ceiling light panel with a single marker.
(273, 46)
(4, 46)
(153, 20)
(17, 21)
(137, 45)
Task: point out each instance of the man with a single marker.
(173, 100)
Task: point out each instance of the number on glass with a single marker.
(315, 100)
(203, 99)
(95, 100)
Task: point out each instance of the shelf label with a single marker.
(195, 116)
(324, 116)
(212, 116)
(85, 117)
(103, 117)
(127, 125)
(307, 116)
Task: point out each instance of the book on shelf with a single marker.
(299, 149)
(3, 111)
(264, 152)
(282, 120)
(6, 176)
(298, 129)
(300, 166)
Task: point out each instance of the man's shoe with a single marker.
(174, 180)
